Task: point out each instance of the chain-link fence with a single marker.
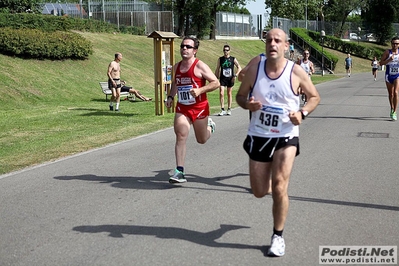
(121, 13)
(228, 25)
(138, 13)
(330, 28)
(238, 25)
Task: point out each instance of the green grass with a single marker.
(51, 109)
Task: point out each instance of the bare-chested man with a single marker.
(114, 81)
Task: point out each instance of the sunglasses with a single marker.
(395, 43)
(225, 50)
(187, 46)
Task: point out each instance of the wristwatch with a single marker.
(304, 114)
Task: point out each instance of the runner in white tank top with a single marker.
(278, 99)
(270, 91)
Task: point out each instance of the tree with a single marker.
(294, 9)
(21, 6)
(199, 17)
(339, 10)
(380, 14)
(222, 5)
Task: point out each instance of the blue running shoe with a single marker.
(178, 177)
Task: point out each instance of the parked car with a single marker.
(370, 37)
(353, 36)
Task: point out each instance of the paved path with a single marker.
(114, 206)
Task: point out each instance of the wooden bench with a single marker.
(107, 91)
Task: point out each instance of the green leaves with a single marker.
(32, 43)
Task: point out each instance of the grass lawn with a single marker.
(51, 109)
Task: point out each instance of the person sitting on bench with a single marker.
(137, 93)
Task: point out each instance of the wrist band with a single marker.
(170, 97)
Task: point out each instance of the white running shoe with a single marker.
(228, 112)
(211, 124)
(222, 113)
(277, 246)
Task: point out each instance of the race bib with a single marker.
(184, 95)
(269, 119)
(394, 69)
(227, 72)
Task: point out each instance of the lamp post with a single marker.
(358, 37)
(306, 15)
(323, 34)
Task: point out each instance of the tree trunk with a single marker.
(212, 35)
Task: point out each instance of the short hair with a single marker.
(395, 38)
(226, 46)
(117, 54)
(195, 40)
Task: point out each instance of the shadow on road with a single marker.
(160, 181)
(206, 239)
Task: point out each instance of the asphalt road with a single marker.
(114, 205)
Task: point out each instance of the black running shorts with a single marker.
(262, 149)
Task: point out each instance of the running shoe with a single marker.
(391, 114)
(228, 112)
(222, 113)
(394, 116)
(277, 246)
(178, 177)
(211, 124)
(111, 108)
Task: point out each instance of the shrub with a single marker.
(32, 43)
(308, 37)
(50, 23)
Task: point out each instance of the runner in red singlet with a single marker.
(189, 84)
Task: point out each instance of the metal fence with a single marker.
(131, 13)
(121, 13)
(238, 25)
(330, 28)
(228, 25)
(138, 13)
(151, 20)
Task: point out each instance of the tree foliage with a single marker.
(21, 6)
(339, 10)
(380, 14)
(199, 17)
(294, 9)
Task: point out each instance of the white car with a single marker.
(353, 36)
(370, 37)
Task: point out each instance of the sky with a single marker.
(256, 7)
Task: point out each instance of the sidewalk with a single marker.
(114, 206)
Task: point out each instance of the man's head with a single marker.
(118, 57)
(395, 42)
(276, 44)
(306, 54)
(226, 49)
(189, 47)
(349, 55)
